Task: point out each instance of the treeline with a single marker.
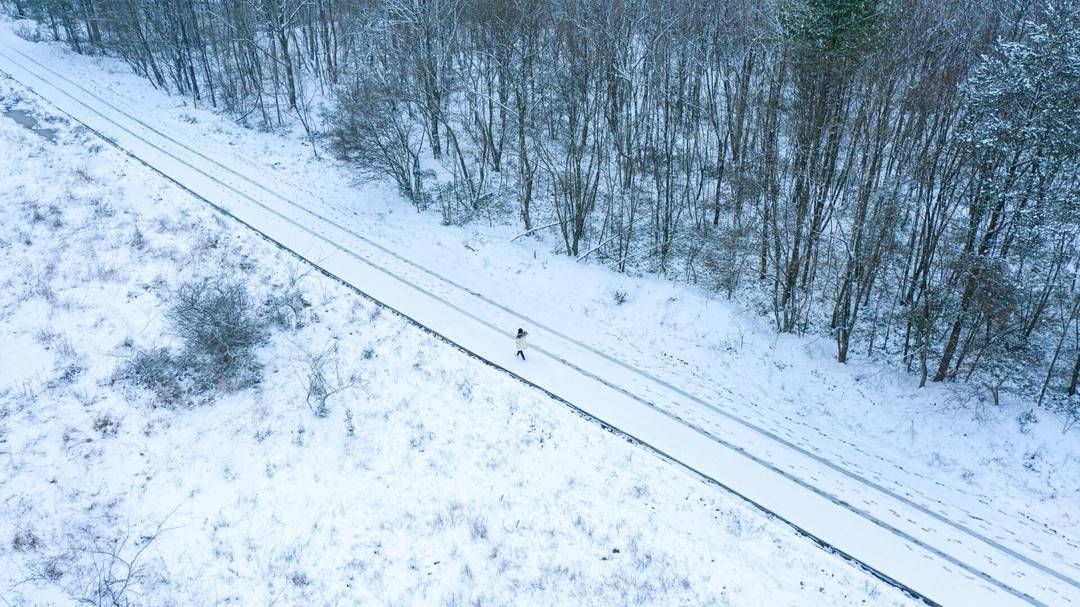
(902, 174)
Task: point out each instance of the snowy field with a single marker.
(433, 479)
(868, 414)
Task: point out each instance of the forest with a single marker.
(902, 176)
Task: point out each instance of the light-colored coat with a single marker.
(520, 342)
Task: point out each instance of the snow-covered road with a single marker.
(946, 553)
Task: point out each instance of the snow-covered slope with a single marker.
(435, 480)
(1018, 489)
(864, 411)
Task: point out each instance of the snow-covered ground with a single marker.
(434, 480)
(863, 411)
(933, 445)
(860, 411)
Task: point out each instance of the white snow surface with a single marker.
(458, 485)
(968, 464)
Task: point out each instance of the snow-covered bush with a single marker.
(107, 425)
(25, 541)
(1027, 419)
(1069, 409)
(324, 379)
(138, 240)
(107, 571)
(157, 370)
(220, 326)
(286, 307)
(367, 128)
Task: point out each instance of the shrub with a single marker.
(478, 528)
(156, 370)
(367, 127)
(286, 307)
(113, 571)
(1069, 409)
(220, 327)
(1027, 419)
(25, 541)
(138, 240)
(350, 427)
(102, 210)
(106, 425)
(324, 379)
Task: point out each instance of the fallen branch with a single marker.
(550, 225)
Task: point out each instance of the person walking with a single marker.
(519, 341)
